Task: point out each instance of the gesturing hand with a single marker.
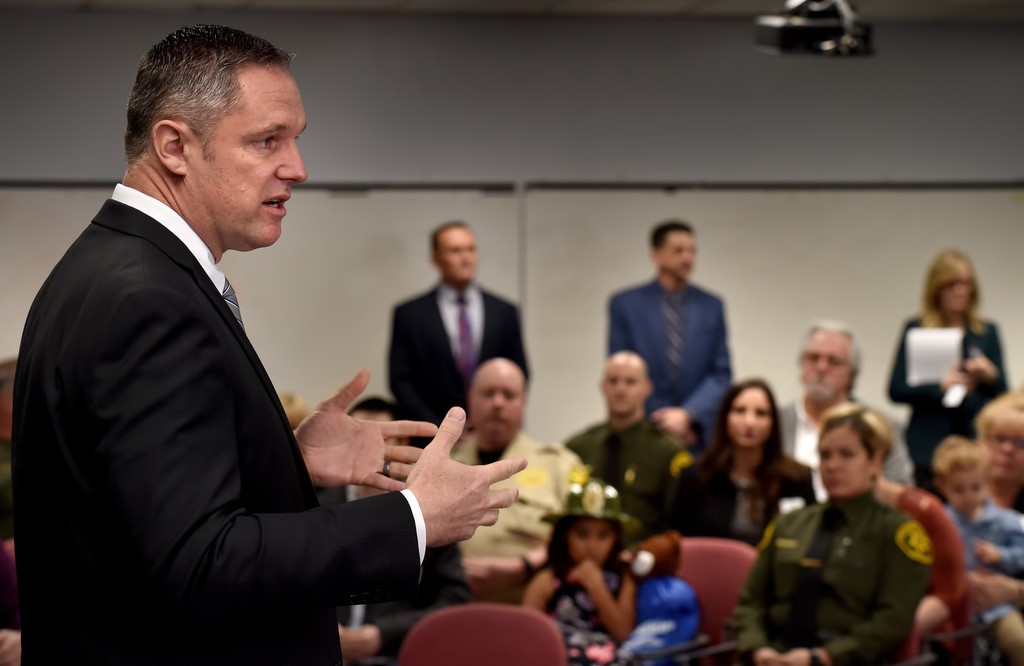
(456, 498)
(340, 450)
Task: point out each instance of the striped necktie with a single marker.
(672, 311)
(229, 297)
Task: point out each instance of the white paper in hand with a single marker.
(931, 353)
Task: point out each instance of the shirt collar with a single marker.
(852, 507)
(665, 293)
(448, 293)
(174, 223)
(989, 511)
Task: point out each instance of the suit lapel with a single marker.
(656, 325)
(490, 327)
(691, 311)
(435, 330)
(120, 217)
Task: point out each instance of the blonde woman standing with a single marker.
(950, 300)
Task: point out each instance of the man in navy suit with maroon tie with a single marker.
(440, 337)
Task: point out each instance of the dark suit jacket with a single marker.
(636, 324)
(424, 377)
(706, 510)
(443, 583)
(163, 511)
(930, 421)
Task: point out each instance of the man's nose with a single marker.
(294, 168)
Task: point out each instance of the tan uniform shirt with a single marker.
(543, 487)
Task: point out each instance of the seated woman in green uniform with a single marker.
(836, 583)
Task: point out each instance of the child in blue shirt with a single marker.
(993, 536)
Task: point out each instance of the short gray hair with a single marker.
(192, 74)
(835, 326)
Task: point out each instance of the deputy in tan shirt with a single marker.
(499, 559)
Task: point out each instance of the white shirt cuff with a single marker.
(421, 525)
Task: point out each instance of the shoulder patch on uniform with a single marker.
(914, 542)
(766, 538)
(680, 461)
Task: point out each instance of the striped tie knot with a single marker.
(228, 294)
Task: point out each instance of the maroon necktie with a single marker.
(467, 353)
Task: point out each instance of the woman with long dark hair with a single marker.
(743, 480)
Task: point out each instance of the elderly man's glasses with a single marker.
(1002, 440)
(833, 361)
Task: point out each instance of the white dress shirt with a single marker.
(805, 448)
(448, 304)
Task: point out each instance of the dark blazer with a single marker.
(424, 377)
(636, 324)
(443, 583)
(163, 511)
(706, 510)
(930, 421)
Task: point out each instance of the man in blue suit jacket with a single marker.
(691, 374)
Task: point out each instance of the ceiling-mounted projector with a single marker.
(826, 27)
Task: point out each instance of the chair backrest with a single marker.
(716, 570)
(909, 647)
(484, 633)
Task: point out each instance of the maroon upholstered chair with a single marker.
(484, 633)
(716, 570)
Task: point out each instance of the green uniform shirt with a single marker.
(647, 470)
(874, 577)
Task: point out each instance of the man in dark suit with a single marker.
(165, 510)
(438, 339)
(679, 330)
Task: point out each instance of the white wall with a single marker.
(442, 99)
(420, 99)
(317, 304)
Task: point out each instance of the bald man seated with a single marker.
(501, 558)
(629, 451)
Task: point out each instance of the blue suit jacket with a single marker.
(636, 324)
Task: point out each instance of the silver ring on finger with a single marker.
(387, 469)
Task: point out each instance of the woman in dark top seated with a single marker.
(744, 480)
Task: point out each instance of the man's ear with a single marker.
(173, 144)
